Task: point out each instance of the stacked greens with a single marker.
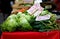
(18, 22)
(27, 22)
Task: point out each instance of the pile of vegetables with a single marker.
(46, 25)
(26, 22)
(18, 21)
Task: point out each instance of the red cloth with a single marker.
(59, 34)
(30, 35)
(0, 37)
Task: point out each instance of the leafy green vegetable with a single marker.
(53, 17)
(45, 25)
(25, 26)
(23, 21)
(10, 24)
(44, 12)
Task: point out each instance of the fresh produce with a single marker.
(44, 12)
(21, 10)
(26, 22)
(20, 21)
(23, 22)
(10, 24)
(46, 25)
(28, 17)
(25, 26)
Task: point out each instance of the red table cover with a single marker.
(30, 35)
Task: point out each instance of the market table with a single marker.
(30, 35)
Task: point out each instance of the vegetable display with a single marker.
(26, 22)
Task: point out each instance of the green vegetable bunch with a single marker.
(45, 25)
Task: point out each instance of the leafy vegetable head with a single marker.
(10, 24)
